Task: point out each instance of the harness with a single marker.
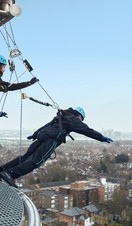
(59, 114)
(59, 119)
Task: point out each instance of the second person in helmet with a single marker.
(46, 140)
(6, 86)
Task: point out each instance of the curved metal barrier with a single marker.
(31, 210)
(11, 206)
(14, 205)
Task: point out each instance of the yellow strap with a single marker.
(24, 96)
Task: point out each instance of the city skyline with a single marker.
(12, 135)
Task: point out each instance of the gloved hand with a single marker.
(34, 80)
(3, 114)
(106, 139)
(31, 137)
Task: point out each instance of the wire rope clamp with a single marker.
(11, 65)
(15, 53)
(27, 65)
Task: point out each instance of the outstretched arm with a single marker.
(82, 128)
(5, 86)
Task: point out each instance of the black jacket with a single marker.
(6, 86)
(70, 123)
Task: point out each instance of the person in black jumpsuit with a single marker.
(6, 86)
(46, 139)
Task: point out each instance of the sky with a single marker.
(81, 52)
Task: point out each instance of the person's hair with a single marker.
(1, 65)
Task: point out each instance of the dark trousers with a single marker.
(32, 159)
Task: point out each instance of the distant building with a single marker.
(110, 188)
(71, 216)
(49, 199)
(87, 216)
(83, 193)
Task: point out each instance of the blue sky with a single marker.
(81, 50)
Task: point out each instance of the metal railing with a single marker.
(14, 205)
(30, 210)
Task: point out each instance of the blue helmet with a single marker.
(3, 60)
(81, 112)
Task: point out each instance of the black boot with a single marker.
(6, 176)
